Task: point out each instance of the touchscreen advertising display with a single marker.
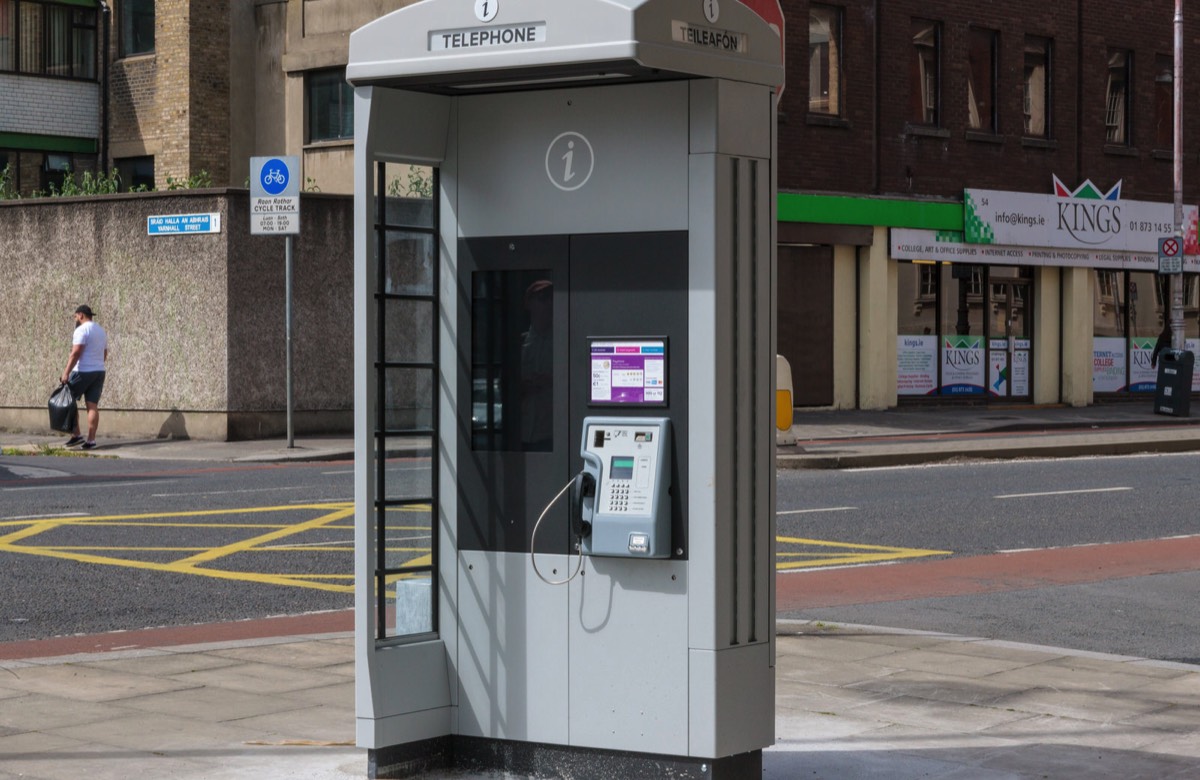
(629, 372)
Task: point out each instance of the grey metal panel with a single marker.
(513, 653)
(416, 45)
(706, 235)
(364, 405)
(638, 141)
(407, 126)
(732, 701)
(629, 656)
(730, 117)
(408, 685)
(401, 729)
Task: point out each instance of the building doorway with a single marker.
(1010, 337)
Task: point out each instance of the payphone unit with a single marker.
(627, 512)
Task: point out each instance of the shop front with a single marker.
(1103, 251)
(1005, 298)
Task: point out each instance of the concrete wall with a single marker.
(196, 323)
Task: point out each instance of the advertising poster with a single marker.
(1020, 369)
(963, 367)
(1108, 364)
(1142, 378)
(1193, 346)
(998, 367)
(916, 365)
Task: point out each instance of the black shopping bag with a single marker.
(64, 414)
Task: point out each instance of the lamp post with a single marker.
(1177, 336)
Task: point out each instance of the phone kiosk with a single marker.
(580, 325)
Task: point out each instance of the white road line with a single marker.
(810, 511)
(1065, 492)
(44, 517)
(322, 501)
(229, 492)
(91, 485)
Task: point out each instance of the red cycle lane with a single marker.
(795, 591)
(969, 575)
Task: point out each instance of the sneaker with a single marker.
(88, 445)
(74, 440)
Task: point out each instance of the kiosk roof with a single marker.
(461, 46)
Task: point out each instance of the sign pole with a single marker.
(1177, 335)
(275, 211)
(287, 317)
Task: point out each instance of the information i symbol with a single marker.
(569, 158)
(575, 161)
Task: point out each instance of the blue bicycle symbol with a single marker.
(274, 177)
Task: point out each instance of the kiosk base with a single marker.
(536, 760)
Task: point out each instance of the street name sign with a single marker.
(183, 224)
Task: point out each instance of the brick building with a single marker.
(893, 286)
(172, 91)
(916, 141)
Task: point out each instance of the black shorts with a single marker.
(88, 384)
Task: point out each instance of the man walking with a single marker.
(85, 371)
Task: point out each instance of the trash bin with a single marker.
(1174, 392)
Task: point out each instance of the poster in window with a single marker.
(998, 368)
(1142, 377)
(1019, 374)
(1108, 364)
(962, 365)
(916, 365)
(1193, 346)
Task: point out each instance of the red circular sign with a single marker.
(1170, 247)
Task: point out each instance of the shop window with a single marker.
(137, 27)
(981, 80)
(330, 103)
(925, 75)
(137, 173)
(1164, 102)
(825, 60)
(1117, 105)
(1036, 91)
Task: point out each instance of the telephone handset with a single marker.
(623, 493)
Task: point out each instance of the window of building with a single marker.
(825, 60)
(8, 34)
(137, 173)
(137, 27)
(925, 85)
(330, 103)
(981, 79)
(1036, 90)
(47, 39)
(55, 169)
(1117, 98)
(1164, 102)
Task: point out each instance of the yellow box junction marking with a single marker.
(199, 560)
(792, 553)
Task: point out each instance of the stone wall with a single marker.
(196, 323)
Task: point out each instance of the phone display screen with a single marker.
(628, 372)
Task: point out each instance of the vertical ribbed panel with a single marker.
(744, 294)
